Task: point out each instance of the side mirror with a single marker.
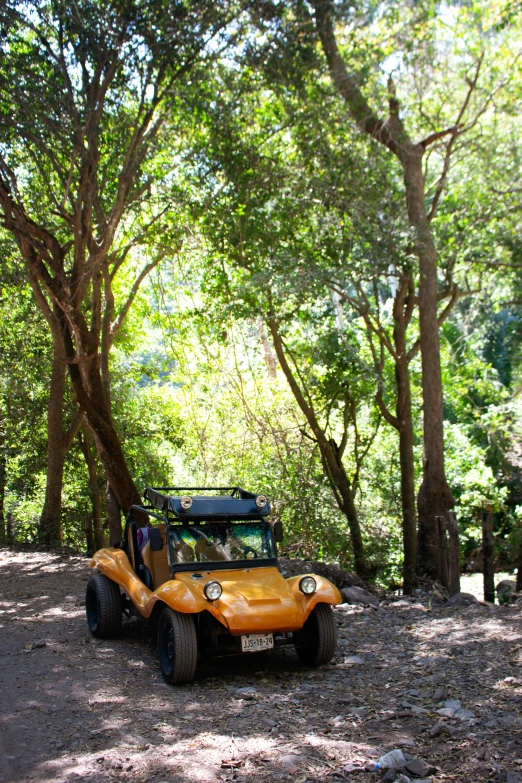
(155, 539)
(278, 531)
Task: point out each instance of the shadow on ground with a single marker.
(76, 708)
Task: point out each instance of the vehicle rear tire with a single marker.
(316, 642)
(103, 607)
(177, 646)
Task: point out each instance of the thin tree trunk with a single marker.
(50, 532)
(95, 539)
(113, 516)
(407, 464)
(330, 458)
(403, 419)
(111, 503)
(58, 441)
(343, 491)
(3, 480)
(519, 566)
(488, 555)
(434, 498)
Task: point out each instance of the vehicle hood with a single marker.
(256, 600)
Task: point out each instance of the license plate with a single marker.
(255, 642)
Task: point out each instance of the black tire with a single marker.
(316, 642)
(177, 646)
(103, 607)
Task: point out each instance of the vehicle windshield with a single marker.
(207, 543)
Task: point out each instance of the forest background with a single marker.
(268, 244)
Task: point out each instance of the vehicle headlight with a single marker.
(212, 591)
(307, 585)
(185, 502)
(261, 501)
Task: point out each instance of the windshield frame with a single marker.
(220, 565)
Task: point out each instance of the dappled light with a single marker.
(79, 708)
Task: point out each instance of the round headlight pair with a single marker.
(212, 591)
(185, 502)
(307, 585)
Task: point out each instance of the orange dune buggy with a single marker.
(204, 567)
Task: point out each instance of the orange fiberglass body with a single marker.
(257, 600)
(204, 569)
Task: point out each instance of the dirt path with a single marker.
(77, 709)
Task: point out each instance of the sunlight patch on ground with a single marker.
(474, 583)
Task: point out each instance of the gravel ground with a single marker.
(79, 709)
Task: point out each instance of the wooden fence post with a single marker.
(443, 551)
(488, 563)
(453, 554)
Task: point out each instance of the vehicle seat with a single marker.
(157, 562)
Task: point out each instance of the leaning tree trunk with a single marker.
(331, 459)
(344, 495)
(434, 498)
(85, 372)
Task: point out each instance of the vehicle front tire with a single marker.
(103, 607)
(177, 646)
(316, 642)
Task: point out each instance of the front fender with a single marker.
(115, 564)
(326, 593)
(181, 598)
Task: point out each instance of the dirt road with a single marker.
(79, 709)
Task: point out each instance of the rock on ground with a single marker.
(462, 599)
(356, 595)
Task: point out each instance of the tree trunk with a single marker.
(331, 459)
(85, 372)
(93, 531)
(519, 566)
(113, 516)
(3, 479)
(50, 533)
(434, 498)
(488, 555)
(344, 495)
(407, 464)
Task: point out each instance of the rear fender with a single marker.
(326, 593)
